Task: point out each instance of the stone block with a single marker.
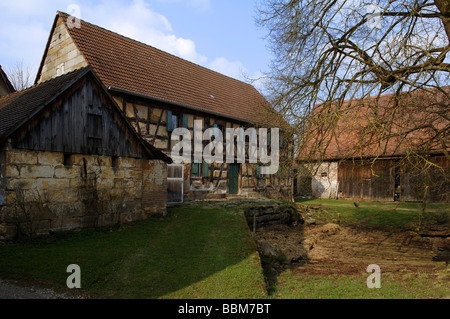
(110, 173)
(21, 157)
(12, 170)
(105, 183)
(22, 183)
(70, 223)
(72, 172)
(49, 158)
(133, 174)
(63, 195)
(125, 162)
(36, 171)
(52, 183)
(105, 161)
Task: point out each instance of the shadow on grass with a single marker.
(191, 253)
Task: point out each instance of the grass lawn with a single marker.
(383, 215)
(406, 285)
(192, 253)
(207, 252)
(401, 277)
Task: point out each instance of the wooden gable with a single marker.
(83, 120)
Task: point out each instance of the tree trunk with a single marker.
(444, 8)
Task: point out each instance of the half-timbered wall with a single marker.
(155, 120)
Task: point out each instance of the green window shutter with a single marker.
(205, 169)
(169, 121)
(257, 171)
(185, 120)
(195, 170)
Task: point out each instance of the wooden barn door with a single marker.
(233, 183)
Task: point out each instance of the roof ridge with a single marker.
(66, 15)
(46, 81)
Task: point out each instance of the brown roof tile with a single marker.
(16, 107)
(379, 126)
(129, 65)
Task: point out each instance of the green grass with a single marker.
(393, 286)
(207, 252)
(380, 215)
(192, 253)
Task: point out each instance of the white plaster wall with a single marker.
(325, 186)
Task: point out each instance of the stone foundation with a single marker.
(49, 192)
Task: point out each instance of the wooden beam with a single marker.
(149, 115)
(136, 116)
(157, 128)
(220, 174)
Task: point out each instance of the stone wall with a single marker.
(63, 55)
(47, 191)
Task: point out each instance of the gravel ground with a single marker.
(11, 290)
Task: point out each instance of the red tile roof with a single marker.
(378, 126)
(132, 66)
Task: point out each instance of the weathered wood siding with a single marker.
(415, 179)
(83, 122)
(377, 181)
(359, 179)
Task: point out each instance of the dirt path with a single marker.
(331, 249)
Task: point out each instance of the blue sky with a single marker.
(217, 34)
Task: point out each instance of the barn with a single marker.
(69, 159)
(360, 160)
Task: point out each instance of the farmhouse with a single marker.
(70, 159)
(159, 92)
(361, 160)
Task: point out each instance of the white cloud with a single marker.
(25, 27)
(233, 69)
(139, 22)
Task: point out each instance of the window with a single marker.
(205, 169)
(195, 170)
(199, 170)
(172, 121)
(95, 126)
(185, 121)
(324, 174)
